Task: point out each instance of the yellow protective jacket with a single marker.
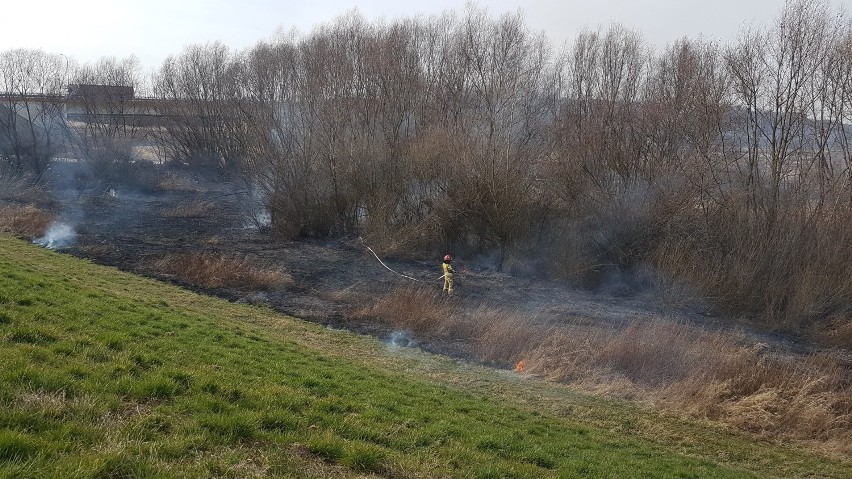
(448, 277)
(448, 268)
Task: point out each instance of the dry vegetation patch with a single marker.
(678, 367)
(51, 404)
(422, 311)
(26, 221)
(191, 209)
(25, 195)
(24, 209)
(214, 270)
(173, 181)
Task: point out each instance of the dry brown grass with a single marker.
(173, 181)
(678, 367)
(213, 270)
(191, 209)
(503, 338)
(838, 332)
(52, 404)
(420, 310)
(793, 271)
(22, 190)
(26, 221)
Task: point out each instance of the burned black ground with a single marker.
(132, 228)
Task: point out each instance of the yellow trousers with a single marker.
(448, 283)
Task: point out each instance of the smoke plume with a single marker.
(58, 235)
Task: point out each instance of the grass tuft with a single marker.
(364, 458)
(15, 447)
(30, 336)
(326, 447)
(230, 428)
(123, 467)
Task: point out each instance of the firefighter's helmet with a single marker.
(448, 258)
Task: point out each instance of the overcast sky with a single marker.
(153, 29)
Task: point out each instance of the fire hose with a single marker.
(386, 266)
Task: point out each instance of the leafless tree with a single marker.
(101, 109)
(199, 102)
(600, 130)
(507, 76)
(31, 115)
(779, 83)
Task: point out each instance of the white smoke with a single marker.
(258, 216)
(401, 339)
(58, 235)
(258, 219)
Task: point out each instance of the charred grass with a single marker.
(110, 375)
(681, 368)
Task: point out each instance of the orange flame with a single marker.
(522, 364)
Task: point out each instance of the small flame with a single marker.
(522, 364)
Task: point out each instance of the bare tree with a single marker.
(107, 123)
(767, 192)
(776, 77)
(199, 101)
(600, 125)
(31, 116)
(507, 73)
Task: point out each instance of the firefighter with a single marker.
(448, 274)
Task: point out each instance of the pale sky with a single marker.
(153, 29)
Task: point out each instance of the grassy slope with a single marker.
(104, 374)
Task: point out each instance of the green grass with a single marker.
(108, 375)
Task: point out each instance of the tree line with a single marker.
(726, 169)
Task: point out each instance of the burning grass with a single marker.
(213, 270)
(678, 367)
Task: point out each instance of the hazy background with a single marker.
(154, 29)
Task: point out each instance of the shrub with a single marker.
(793, 271)
(364, 458)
